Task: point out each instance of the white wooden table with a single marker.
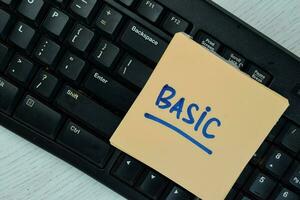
(29, 173)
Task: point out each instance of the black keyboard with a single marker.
(71, 69)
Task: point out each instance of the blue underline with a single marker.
(182, 133)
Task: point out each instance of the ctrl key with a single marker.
(8, 96)
(38, 116)
(84, 143)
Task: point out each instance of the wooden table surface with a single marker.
(29, 173)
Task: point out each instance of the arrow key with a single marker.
(277, 162)
(178, 194)
(153, 185)
(128, 169)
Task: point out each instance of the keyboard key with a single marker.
(109, 90)
(259, 75)
(4, 56)
(153, 185)
(247, 171)
(276, 129)
(20, 69)
(44, 84)
(83, 8)
(260, 152)
(22, 35)
(261, 186)
(86, 110)
(71, 66)
(209, 42)
(7, 2)
(174, 24)
(293, 177)
(234, 58)
(285, 194)
(242, 197)
(46, 51)
(277, 162)
(56, 22)
(62, 2)
(31, 8)
(231, 195)
(150, 10)
(105, 54)
(5, 19)
(127, 2)
(178, 194)
(84, 143)
(8, 96)
(38, 116)
(108, 20)
(80, 38)
(143, 41)
(290, 138)
(128, 170)
(134, 71)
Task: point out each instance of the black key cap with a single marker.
(109, 90)
(293, 177)
(285, 194)
(134, 71)
(4, 23)
(8, 96)
(178, 194)
(46, 51)
(277, 162)
(153, 185)
(150, 10)
(31, 8)
(143, 41)
(56, 22)
(7, 2)
(105, 54)
(128, 170)
(260, 152)
(127, 2)
(290, 138)
(4, 56)
(84, 143)
(261, 186)
(276, 129)
(61, 2)
(86, 110)
(83, 8)
(242, 197)
(259, 75)
(209, 42)
(22, 35)
(71, 66)
(20, 69)
(38, 116)
(44, 84)
(234, 58)
(108, 20)
(174, 24)
(244, 176)
(80, 38)
(231, 195)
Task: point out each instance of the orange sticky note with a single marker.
(198, 120)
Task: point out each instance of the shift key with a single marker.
(143, 41)
(86, 110)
